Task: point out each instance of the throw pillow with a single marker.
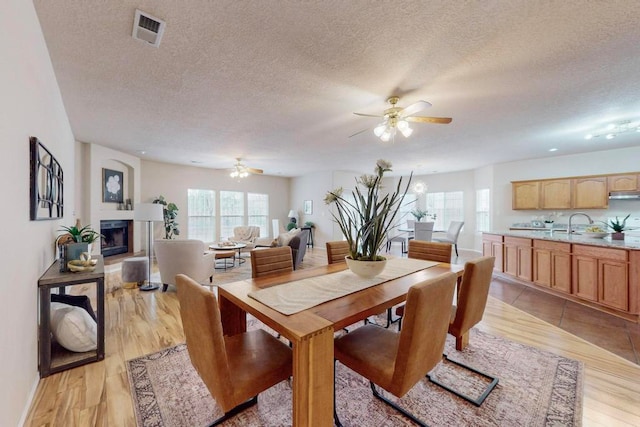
(73, 327)
(76, 300)
(284, 238)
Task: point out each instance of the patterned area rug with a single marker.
(536, 388)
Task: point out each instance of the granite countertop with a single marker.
(630, 242)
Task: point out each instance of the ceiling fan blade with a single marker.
(414, 108)
(254, 170)
(439, 120)
(359, 132)
(368, 115)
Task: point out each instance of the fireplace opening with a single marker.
(116, 237)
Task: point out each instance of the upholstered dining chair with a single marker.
(396, 361)
(452, 234)
(472, 300)
(428, 251)
(423, 231)
(271, 261)
(235, 368)
(336, 251)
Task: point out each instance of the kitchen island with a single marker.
(597, 272)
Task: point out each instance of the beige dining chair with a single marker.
(336, 251)
(452, 234)
(472, 300)
(271, 261)
(396, 361)
(235, 368)
(428, 251)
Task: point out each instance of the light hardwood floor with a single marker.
(139, 323)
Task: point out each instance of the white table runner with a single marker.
(292, 297)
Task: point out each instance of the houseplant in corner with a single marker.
(170, 213)
(418, 214)
(365, 219)
(617, 227)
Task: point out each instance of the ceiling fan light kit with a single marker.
(614, 129)
(397, 119)
(239, 170)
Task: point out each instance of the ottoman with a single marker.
(134, 272)
(224, 256)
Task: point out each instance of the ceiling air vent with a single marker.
(148, 28)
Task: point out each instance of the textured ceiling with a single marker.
(277, 82)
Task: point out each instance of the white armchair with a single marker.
(184, 257)
(249, 235)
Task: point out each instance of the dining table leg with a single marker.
(234, 319)
(313, 367)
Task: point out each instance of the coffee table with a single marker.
(235, 246)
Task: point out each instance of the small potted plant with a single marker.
(418, 214)
(618, 227)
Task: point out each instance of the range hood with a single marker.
(624, 195)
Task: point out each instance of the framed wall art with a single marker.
(46, 183)
(308, 207)
(112, 186)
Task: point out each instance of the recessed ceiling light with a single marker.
(553, 149)
(142, 152)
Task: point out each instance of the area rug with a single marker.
(536, 388)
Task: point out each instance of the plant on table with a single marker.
(418, 214)
(84, 234)
(366, 218)
(170, 213)
(616, 225)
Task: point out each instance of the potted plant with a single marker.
(84, 234)
(418, 214)
(617, 227)
(366, 218)
(170, 213)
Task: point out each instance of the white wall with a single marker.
(173, 181)
(314, 187)
(31, 105)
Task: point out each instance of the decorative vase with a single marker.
(617, 236)
(365, 269)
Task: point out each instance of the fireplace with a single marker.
(117, 237)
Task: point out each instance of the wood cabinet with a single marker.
(525, 195)
(555, 194)
(601, 275)
(492, 246)
(623, 182)
(518, 257)
(590, 193)
(552, 265)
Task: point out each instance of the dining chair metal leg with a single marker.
(478, 401)
(235, 411)
(396, 407)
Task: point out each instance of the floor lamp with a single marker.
(149, 212)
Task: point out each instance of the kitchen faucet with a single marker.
(569, 231)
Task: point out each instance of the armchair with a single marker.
(249, 235)
(183, 257)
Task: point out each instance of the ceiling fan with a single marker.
(239, 170)
(398, 118)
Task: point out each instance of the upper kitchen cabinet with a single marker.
(555, 194)
(526, 195)
(590, 193)
(623, 182)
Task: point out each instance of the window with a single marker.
(258, 212)
(409, 203)
(483, 222)
(201, 215)
(447, 206)
(231, 211)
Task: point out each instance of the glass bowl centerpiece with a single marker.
(366, 217)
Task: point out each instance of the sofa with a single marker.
(297, 240)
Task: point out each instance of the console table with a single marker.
(310, 241)
(52, 357)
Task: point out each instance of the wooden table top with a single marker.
(337, 313)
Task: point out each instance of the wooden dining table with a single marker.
(311, 331)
